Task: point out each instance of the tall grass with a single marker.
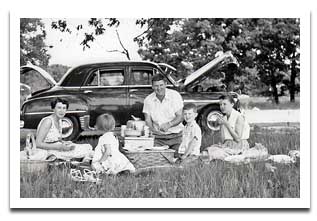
(217, 179)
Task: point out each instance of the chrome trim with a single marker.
(167, 65)
(141, 85)
(215, 127)
(203, 101)
(84, 122)
(91, 87)
(41, 98)
(21, 123)
(70, 126)
(50, 112)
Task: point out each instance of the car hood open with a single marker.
(29, 67)
(217, 63)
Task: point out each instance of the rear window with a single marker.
(75, 78)
(141, 77)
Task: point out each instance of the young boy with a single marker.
(189, 149)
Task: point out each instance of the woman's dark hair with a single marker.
(59, 100)
(227, 97)
(158, 77)
(105, 122)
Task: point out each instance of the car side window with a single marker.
(93, 79)
(111, 77)
(106, 78)
(141, 77)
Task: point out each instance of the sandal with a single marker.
(91, 176)
(76, 175)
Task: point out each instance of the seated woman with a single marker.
(234, 131)
(49, 136)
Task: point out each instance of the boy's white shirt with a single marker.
(190, 131)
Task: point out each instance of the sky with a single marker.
(68, 51)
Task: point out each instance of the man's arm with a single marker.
(177, 120)
(149, 123)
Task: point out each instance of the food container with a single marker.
(134, 143)
(132, 133)
(136, 123)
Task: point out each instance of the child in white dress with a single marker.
(107, 158)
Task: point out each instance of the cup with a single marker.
(146, 130)
(123, 128)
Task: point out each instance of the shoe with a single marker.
(76, 175)
(91, 176)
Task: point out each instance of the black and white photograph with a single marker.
(208, 109)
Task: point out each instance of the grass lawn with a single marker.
(217, 179)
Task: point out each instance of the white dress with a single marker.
(115, 163)
(55, 134)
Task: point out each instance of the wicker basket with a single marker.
(34, 166)
(150, 158)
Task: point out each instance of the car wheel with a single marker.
(70, 128)
(208, 119)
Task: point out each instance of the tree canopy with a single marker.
(32, 46)
(267, 49)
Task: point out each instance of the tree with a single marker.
(277, 44)
(57, 71)
(32, 46)
(290, 40)
(263, 47)
(99, 26)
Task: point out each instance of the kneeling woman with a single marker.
(49, 135)
(234, 131)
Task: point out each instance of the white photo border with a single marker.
(17, 202)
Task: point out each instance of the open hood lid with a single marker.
(30, 67)
(217, 63)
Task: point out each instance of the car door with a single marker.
(106, 91)
(140, 86)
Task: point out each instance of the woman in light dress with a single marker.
(234, 130)
(107, 158)
(49, 136)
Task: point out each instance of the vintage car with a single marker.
(120, 88)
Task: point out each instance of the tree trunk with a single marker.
(292, 81)
(274, 88)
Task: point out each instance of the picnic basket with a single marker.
(150, 158)
(34, 166)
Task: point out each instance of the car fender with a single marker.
(42, 105)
